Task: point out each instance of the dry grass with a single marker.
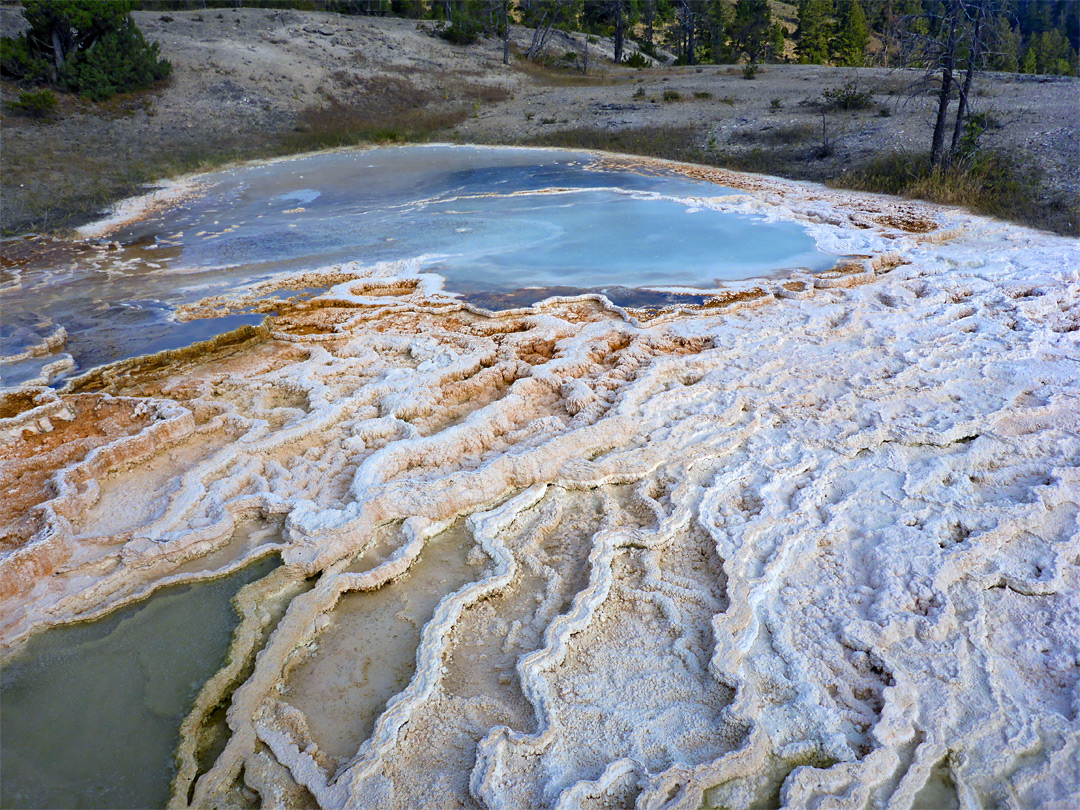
(334, 125)
(383, 109)
(380, 109)
(564, 77)
(992, 183)
(61, 184)
(684, 144)
(778, 136)
(674, 143)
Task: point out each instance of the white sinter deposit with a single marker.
(815, 545)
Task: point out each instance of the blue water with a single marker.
(497, 219)
(489, 220)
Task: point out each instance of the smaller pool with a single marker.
(92, 712)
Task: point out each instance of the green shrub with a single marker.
(976, 125)
(703, 95)
(18, 61)
(36, 104)
(749, 70)
(777, 104)
(463, 28)
(848, 97)
(647, 48)
(90, 47)
(119, 62)
(672, 95)
(636, 60)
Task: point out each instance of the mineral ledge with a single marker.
(813, 545)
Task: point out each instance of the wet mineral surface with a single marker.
(810, 540)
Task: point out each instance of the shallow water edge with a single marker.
(92, 710)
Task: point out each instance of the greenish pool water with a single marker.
(91, 712)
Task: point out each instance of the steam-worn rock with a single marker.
(817, 543)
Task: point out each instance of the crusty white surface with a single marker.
(812, 547)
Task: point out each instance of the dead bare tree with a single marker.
(504, 17)
(980, 26)
(544, 16)
(686, 14)
(541, 17)
(585, 53)
(947, 62)
(952, 40)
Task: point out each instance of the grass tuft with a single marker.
(989, 182)
(554, 76)
(778, 136)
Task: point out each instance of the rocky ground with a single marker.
(253, 82)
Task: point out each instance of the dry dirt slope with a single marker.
(251, 82)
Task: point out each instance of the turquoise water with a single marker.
(91, 712)
(492, 221)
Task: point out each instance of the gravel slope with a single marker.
(242, 79)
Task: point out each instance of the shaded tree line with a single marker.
(89, 47)
(1030, 36)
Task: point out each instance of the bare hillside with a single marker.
(255, 82)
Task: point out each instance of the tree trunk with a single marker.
(689, 20)
(506, 30)
(961, 109)
(618, 31)
(58, 55)
(948, 57)
(650, 15)
(538, 37)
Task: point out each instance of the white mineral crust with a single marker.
(819, 549)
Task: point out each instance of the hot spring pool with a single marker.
(499, 224)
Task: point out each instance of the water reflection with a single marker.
(489, 220)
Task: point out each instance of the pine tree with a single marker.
(1053, 53)
(814, 32)
(751, 28)
(1006, 55)
(852, 34)
(1030, 63)
(89, 47)
(777, 42)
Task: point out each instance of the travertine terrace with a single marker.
(814, 543)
